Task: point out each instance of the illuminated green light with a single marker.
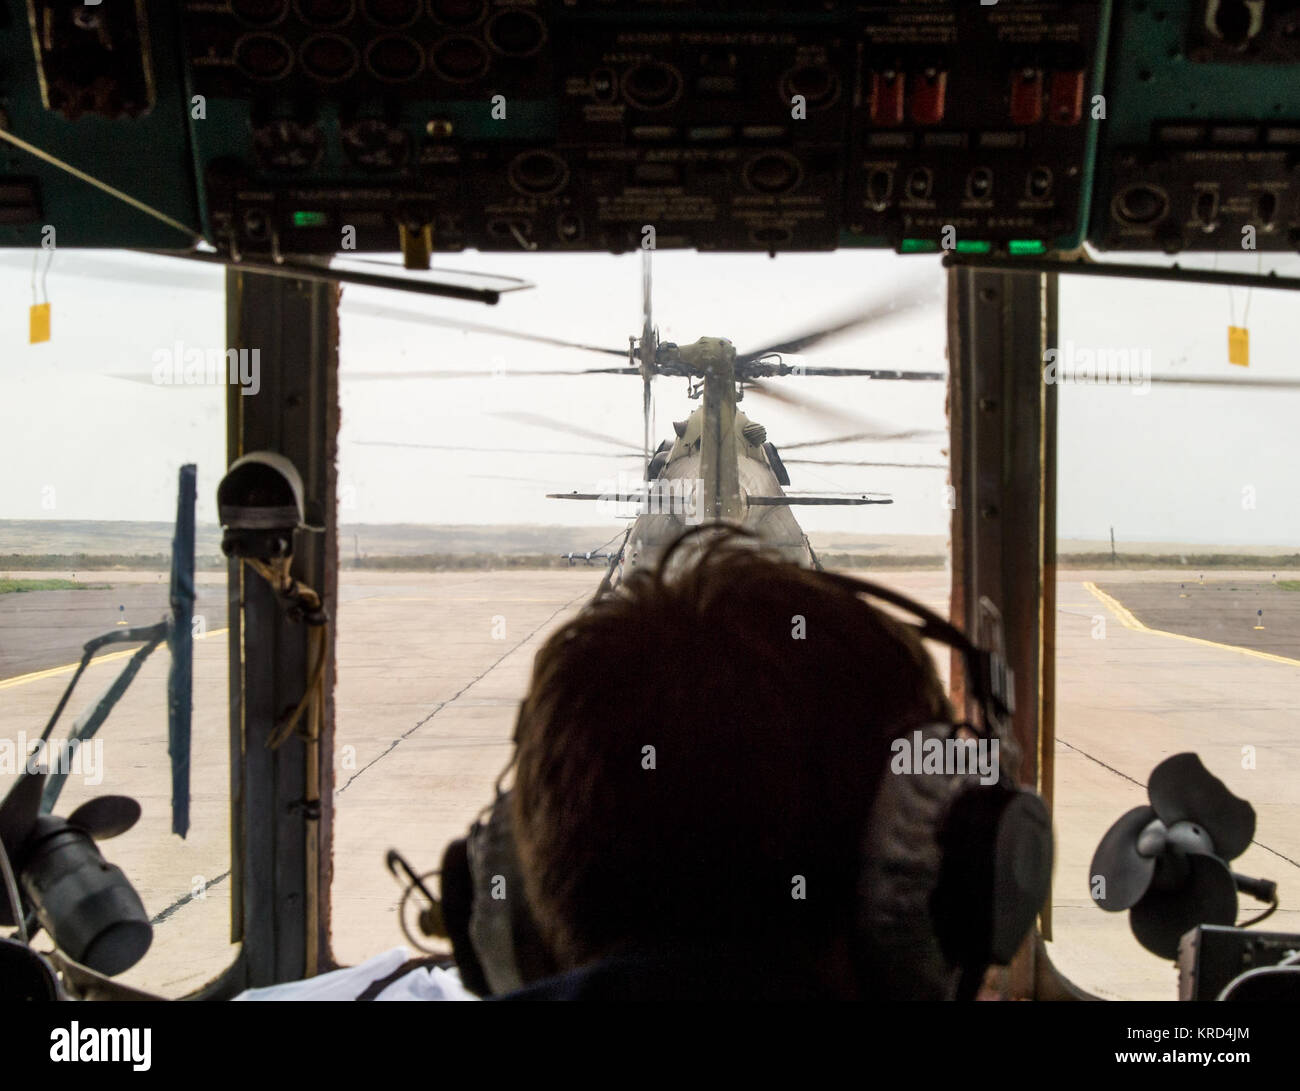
(973, 246)
(1026, 246)
(310, 219)
(918, 246)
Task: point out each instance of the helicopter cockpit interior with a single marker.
(956, 296)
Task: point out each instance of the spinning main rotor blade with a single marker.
(536, 420)
(1188, 380)
(867, 429)
(879, 311)
(648, 349)
(876, 373)
(549, 483)
(645, 416)
(812, 501)
(647, 313)
(860, 437)
(406, 314)
(833, 492)
(489, 450)
(480, 374)
(846, 462)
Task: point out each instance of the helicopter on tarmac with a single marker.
(720, 465)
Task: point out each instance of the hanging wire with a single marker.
(43, 296)
(1259, 266)
(1232, 303)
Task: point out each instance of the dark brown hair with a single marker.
(695, 744)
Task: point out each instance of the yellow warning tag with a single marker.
(40, 323)
(1239, 346)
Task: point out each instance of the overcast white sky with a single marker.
(1171, 465)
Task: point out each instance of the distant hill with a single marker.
(73, 536)
(58, 543)
(26, 536)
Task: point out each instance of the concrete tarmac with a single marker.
(1255, 612)
(40, 629)
(431, 668)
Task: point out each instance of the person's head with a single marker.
(698, 758)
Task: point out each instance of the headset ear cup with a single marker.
(504, 933)
(457, 905)
(1022, 875)
(897, 952)
(996, 871)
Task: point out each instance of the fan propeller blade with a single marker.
(106, 816)
(878, 311)
(1182, 789)
(20, 808)
(1166, 862)
(1208, 896)
(1125, 872)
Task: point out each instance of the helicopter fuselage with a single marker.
(717, 462)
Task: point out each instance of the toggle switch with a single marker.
(887, 89)
(928, 97)
(1027, 96)
(1065, 98)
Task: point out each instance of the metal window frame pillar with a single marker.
(281, 859)
(1003, 457)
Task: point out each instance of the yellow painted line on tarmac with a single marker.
(1129, 621)
(1118, 609)
(67, 668)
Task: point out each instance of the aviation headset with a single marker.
(994, 846)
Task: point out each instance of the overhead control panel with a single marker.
(100, 90)
(501, 125)
(973, 125)
(276, 127)
(1201, 146)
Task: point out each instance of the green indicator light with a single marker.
(310, 219)
(1026, 246)
(973, 246)
(918, 246)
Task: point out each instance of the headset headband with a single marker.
(987, 672)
